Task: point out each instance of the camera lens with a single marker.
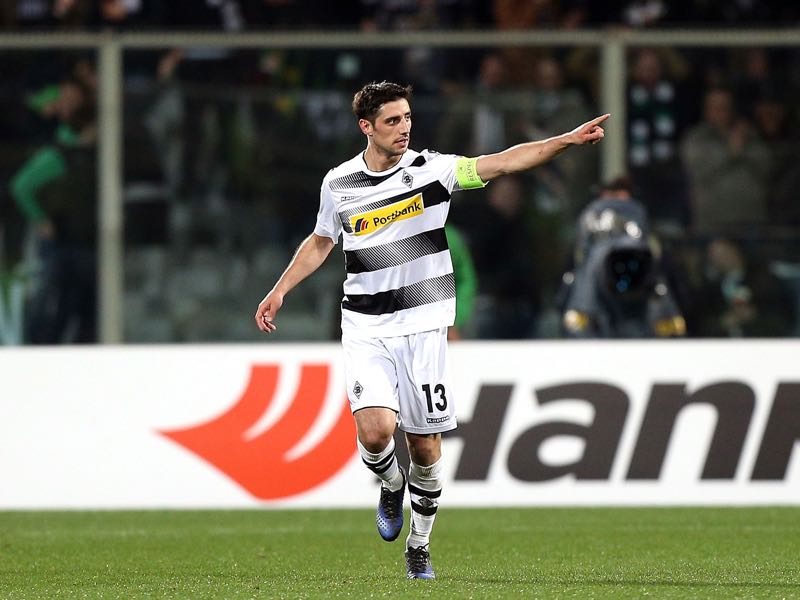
(627, 270)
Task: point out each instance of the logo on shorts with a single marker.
(436, 420)
(407, 179)
(357, 389)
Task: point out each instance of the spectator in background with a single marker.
(413, 15)
(629, 13)
(553, 105)
(523, 14)
(705, 13)
(27, 14)
(618, 287)
(644, 13)
(503, 249)
(43, 14)
(777, 127)
(55, 189)
(490, 119)
(127, 14)
(656, 118)
(741, 298)
(752, 72)
(204, 14)
(728, 165)
(539, 14)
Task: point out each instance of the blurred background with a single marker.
(161, 160)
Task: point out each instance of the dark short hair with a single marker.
(368, 100)
(621, 183)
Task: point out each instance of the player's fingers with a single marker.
(595, 136)
(265, 326)
(598, 120)
(261, 317)
(266, 322)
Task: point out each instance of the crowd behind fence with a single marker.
(224, 149)
(385, 15)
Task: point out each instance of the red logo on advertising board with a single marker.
(260, 464)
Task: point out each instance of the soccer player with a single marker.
(390, 204)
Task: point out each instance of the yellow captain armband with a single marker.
(467, 174)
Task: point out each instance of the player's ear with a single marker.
(365, 126)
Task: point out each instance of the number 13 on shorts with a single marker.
(440, 403)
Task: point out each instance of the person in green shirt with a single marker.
(55, 191)
(466, 280)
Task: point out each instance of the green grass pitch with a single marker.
(488, 553)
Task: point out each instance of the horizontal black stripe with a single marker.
(395, 253)
(423, 292)
(426, 511)
(375, 469)
(386, 459)
(379, 470)
(359, 180)
(420, 492)
(432, 194)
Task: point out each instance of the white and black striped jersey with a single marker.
(399, 273)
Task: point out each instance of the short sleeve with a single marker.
(444, 165)
(328, 222)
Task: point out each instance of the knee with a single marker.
(375, 428)
(424, 450)
(375, 440)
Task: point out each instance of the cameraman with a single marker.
(617, 288)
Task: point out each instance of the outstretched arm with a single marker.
(308, 258)
(532, 154)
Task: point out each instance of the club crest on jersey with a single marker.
(406, 178)
(379, 218)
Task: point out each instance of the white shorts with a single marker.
(408, 374)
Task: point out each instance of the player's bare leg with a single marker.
(424, 487)
(376, 445)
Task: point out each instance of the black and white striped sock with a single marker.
(384, 465)
(424, 487)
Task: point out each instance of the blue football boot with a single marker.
(418, 563)
(389, 517)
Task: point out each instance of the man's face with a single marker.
(391, 132)
(719, 109)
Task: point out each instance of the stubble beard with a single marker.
(391, 152)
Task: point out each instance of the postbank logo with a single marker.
(372, 221)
